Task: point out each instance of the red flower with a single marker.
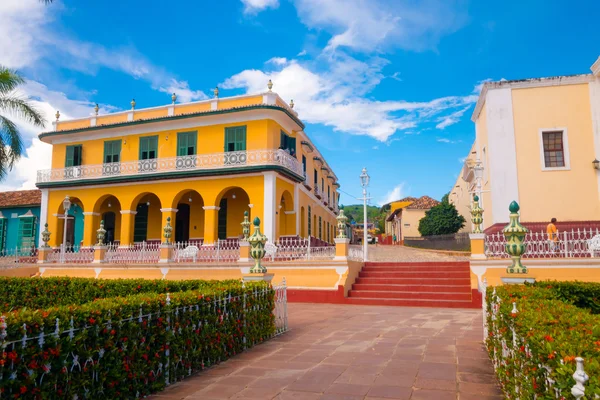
(548, 338)
(23, 389)
(92, 321)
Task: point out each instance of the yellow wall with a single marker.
(191, 108)
(547, 194)
(105, 120)
(168, 193)
(412, 218)
(211, 139)
(481, 144)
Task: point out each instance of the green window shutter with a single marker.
(309, 221)
(26, 233)
(69, 161)
(140, 224)
(292, 145)
(148, 147)
(282, 140)
(107, 152)
(235, 139)
(112, 151)
(320, 229)
(304, 164)
(222, 220)
(116, 151)
(186, 143)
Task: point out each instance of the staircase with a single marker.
(418, 284)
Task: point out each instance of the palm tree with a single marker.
(11, 145)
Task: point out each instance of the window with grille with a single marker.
(26, 232)
(320, 230)
(554, 154)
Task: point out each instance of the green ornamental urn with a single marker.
(515, 233)
(257, 248)
(341, 225)
(476, 214)
(45, 237)
(246, 226)
(168, 231)
(100, 234)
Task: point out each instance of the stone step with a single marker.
(413, 303)
(415, 281)
(415, 274)
(409, 295)
(413, 288)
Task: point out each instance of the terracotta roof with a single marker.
(21, 198)
(423, 203)
(405, 199)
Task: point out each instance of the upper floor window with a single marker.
(148, 147)
(304, 164)
(112, 151)
(553, 143)
(186, 143)
(235, 138)
(73, 156)
(328, 194)
(288, 143)
(316, 179)
(323, 185)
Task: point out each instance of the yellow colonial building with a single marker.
(201, 164)
(538, 143)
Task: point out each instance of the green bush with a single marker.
(46, 292)
(442, 219)
(129, 347)
(581, 294)
(549, 332)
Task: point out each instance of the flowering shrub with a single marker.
(46, 292)
(534, 349)
(580, 294)
(129, 347)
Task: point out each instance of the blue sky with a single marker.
(386, 84)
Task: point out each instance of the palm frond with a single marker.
(9, 80)
(21, 108)
(11, 146)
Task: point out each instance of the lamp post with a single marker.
(478, 172)
(66, 206)
(364, 182)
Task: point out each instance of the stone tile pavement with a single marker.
(408, 254)
(349, 352)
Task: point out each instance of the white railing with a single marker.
(280, 310)
(72, 255)
(318, 191)
(199, 162)
(356, 253)
(223, 251)
(574, 243)
(297, 249)
(139, 253)
(513, 347)
(13, 258)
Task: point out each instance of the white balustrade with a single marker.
(199, 162)
(223, 251)
(72, 255)
(13, 258)
(139, 253)
(576, 243)
(356, 253)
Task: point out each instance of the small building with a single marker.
(403, 220)
(537, 142)
(19, 220)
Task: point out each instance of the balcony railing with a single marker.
(199, 162)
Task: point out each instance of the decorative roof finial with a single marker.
(174, 98)
(216, 92)
(132, 104)
(96, 109)
(57, 115)
(292, 103)
(270, 85)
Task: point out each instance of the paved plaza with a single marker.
(408, 254)
(348, 352)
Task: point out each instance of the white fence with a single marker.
(574, 243)
(72, 255)
(280, 311)
(511, 349)
(223, 251)
(356, 253)
(140, 253)
(198, 162)
(14, 258)
(297, 249)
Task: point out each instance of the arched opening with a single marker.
(287, 218)
(74, 225)
(302, 223)
(189, 220)
(147, 225)
(109, 209)
(232, 203)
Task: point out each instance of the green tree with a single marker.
(11, 103)
(442, 219)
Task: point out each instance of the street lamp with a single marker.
(364, 182)
(478, 172)
(66, 206)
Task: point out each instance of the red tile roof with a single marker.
(21, 198)
(423, 203)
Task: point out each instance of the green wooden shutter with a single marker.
(222, 220)
(140, 224)
(107, 152)
(148, 147)
(69, 157)
(282, 140)
(292, 145)
(182, 144)
(112, 151)
(240, 138)
(2, 233)
(320, 229)
(309, 221)
(116, 151)
(26, 233)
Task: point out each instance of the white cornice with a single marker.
(596, 68)
(526, 84)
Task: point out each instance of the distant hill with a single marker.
(355, 212)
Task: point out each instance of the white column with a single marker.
(502, 155)
(270, 204)
(595, 105)
(43, 214)
(297, 207)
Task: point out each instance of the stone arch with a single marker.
(286, 212)
(189, 220)
(108, 208)
(75, 221)
(147, 222)
(232, 202)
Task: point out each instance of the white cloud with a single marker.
(256, 6)
(444, 140)
(447, 120)
(277, 61)
(368, 25)
(302, 53)
(396, 193)
(336, 96)
(24, 174)
(183, 91)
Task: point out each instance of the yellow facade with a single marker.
(511, 120)
(206, 198)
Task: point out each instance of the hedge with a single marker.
(581, 294)
(17, 293)
(549, 333)
(128, 347)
